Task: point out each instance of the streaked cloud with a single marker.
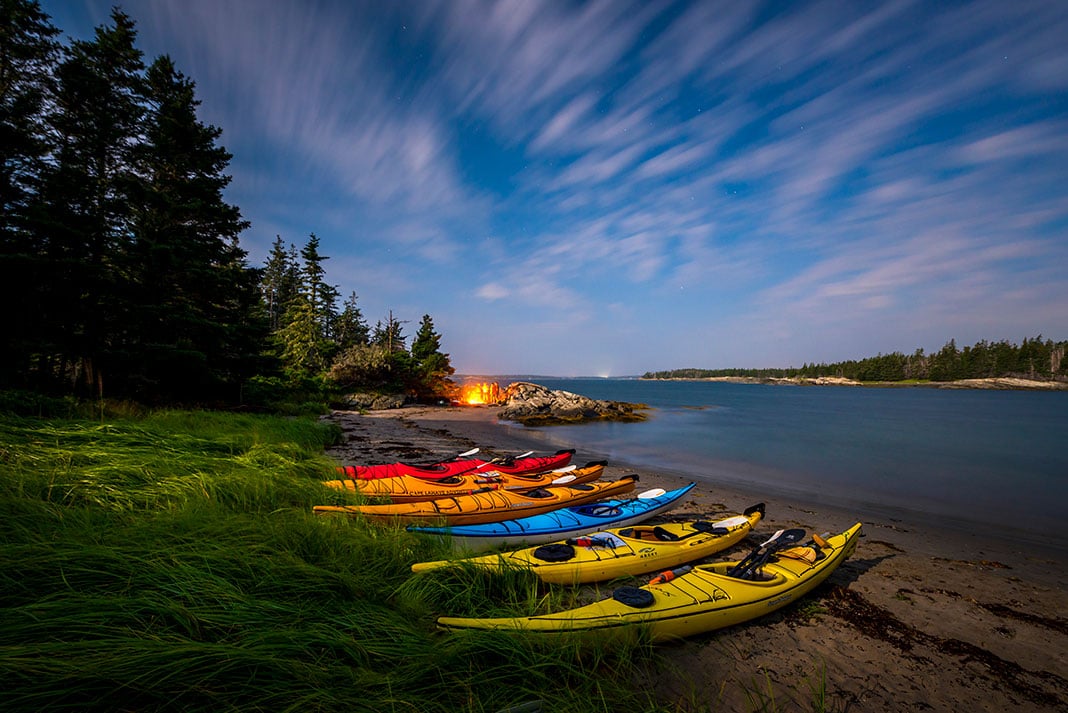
(756, 184)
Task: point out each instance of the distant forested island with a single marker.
(1035, 359)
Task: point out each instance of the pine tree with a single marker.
(350, 329)
(191, 288)
(389, 335)
(427, 342)
(300, 346)
(28, 53)
(945, 364)
(320, 295)
(86, 196)
(432, 368)
(281, 281)
(303, 337)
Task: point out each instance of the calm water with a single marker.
(980, 459)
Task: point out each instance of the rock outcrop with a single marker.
(372, 402)
(535, 405)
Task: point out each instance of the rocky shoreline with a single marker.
(999, 383)
(919, 618)
(536, 405)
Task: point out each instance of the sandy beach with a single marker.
(918, 619)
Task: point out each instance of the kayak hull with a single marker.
(702, 600)
(619, 551)
(519, 466)
(490, 506)
(410, 488)
(558, 524)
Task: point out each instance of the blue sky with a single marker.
(607, 188)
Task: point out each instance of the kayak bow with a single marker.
(618, 551)
(703, 599)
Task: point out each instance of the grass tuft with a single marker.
(170, 561)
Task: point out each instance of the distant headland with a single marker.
(1008, 383)
(1034, 364)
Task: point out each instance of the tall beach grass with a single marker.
(170, 561)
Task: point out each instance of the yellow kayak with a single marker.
(620, 551)
(705, 598)
(489, 506)
(411, 488)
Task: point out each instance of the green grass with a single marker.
(170, 561)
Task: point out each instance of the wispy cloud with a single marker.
(517, 62)
(800, 175)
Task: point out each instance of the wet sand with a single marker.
(920, 618)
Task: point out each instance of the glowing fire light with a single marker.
(480, 393)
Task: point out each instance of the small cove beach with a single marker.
(922, 616)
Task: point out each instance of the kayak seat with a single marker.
(556, 552)
(650, 534)
(640, 533)
(602, 510)
(633, 597)
(538, 493)
(805, 554)
(664, 535)
(710, 528)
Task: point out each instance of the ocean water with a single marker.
(975, 459)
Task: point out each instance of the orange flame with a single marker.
(480, 393)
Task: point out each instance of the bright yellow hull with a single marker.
(618, 552)
(703, 600)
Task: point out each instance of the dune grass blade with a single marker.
(170, 561)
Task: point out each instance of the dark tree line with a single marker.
(1032, 359)
(119, 250)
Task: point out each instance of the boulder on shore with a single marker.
(535, 405)
(373, 402)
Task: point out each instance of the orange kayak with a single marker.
(489, 506)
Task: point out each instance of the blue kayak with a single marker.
(559, 524)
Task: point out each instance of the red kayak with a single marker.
(522, 465)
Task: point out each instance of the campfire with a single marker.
(476, 394)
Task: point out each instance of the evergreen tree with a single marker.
(945, 364)
(28, 52)
(389, 338)
(86, 196)
(916, 366)
(389, 335)
(300, 346)
(1004, 358)
(281, 281)
(309, 316)
(350, 329)
(321, 296)
(432, 368)
(192, 288)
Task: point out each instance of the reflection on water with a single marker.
(970, 455)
